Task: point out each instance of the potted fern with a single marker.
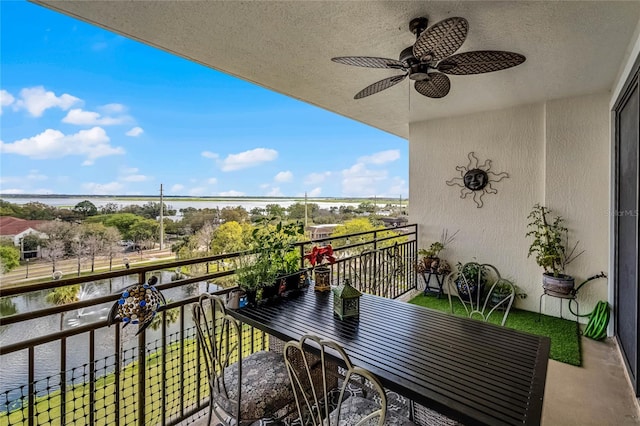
(550, 248)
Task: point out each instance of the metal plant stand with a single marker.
(571, 296)
(429, 289)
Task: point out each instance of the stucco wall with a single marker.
(556, 153)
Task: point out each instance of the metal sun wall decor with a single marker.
(476, 179)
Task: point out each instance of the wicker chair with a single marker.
(317, 408)
(245, 390)
(481, 300)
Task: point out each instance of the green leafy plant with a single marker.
(254, 271)
(275, 240)
(550, 241)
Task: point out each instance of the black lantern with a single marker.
(346, 300)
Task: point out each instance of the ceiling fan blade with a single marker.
(379, 86)
(370, 62)
(441, 39)
(437, 86)
(479, 62)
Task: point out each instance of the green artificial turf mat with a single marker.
(565, 339)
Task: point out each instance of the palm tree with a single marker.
(170, 316)
(62, 296)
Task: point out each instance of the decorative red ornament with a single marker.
(321, 255)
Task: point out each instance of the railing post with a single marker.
(142, 367)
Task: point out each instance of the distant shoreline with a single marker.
(206, 198)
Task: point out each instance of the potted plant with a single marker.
(549, 245)
(471, 279)
(275, 241)
(254, 273)
(319, 258)
(502, 289)
(430, 261)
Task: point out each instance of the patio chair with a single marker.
(346, 405)
(243, 391)
(482, 291)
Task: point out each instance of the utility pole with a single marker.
(305, 210)
(161, 220)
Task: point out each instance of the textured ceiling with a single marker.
(572, 48)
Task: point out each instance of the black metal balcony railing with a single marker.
(62, 365)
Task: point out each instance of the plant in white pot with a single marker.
(550, 247)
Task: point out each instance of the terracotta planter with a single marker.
(562, 284)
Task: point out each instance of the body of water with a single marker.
(176, 204)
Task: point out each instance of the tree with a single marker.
(110, 238)
(170, 316)
(144, 232)
(110, 208)
(53, 251)
(62, 296)
(85, 208)
(275, 210)
(355, 226)
(9, 258)
(297, 210)
(235, 214)
(38, 211)
(230, 237)
(60, 235)
(203, 237)
(93, 235)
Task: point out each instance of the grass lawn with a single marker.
(565, 339)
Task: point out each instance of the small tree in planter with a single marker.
(549, 245)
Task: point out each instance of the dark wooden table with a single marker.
(471, 371)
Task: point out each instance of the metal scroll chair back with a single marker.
(314, 402)
(221, 341)
(243, 389)
(482, 291)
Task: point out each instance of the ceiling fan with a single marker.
(431, 56)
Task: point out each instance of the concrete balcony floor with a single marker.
(598, 393)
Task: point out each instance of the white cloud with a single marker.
(212, 181)
(81, 117)
(381, 157)
(135, 178)
(284, 177)
(398, 187)
(112, 108)
(360, 181)
(248, 159)
(36, 100)
(6, 99)
(103, 188)
(231, 193)
(176, 188)
(136, 131)
(264, 185)
(197, 191)
(129, 170)
(92, 143)
(315, 192)
(275, 192)
(316, 178)
(209, 154)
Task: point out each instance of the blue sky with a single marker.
(85, 111)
